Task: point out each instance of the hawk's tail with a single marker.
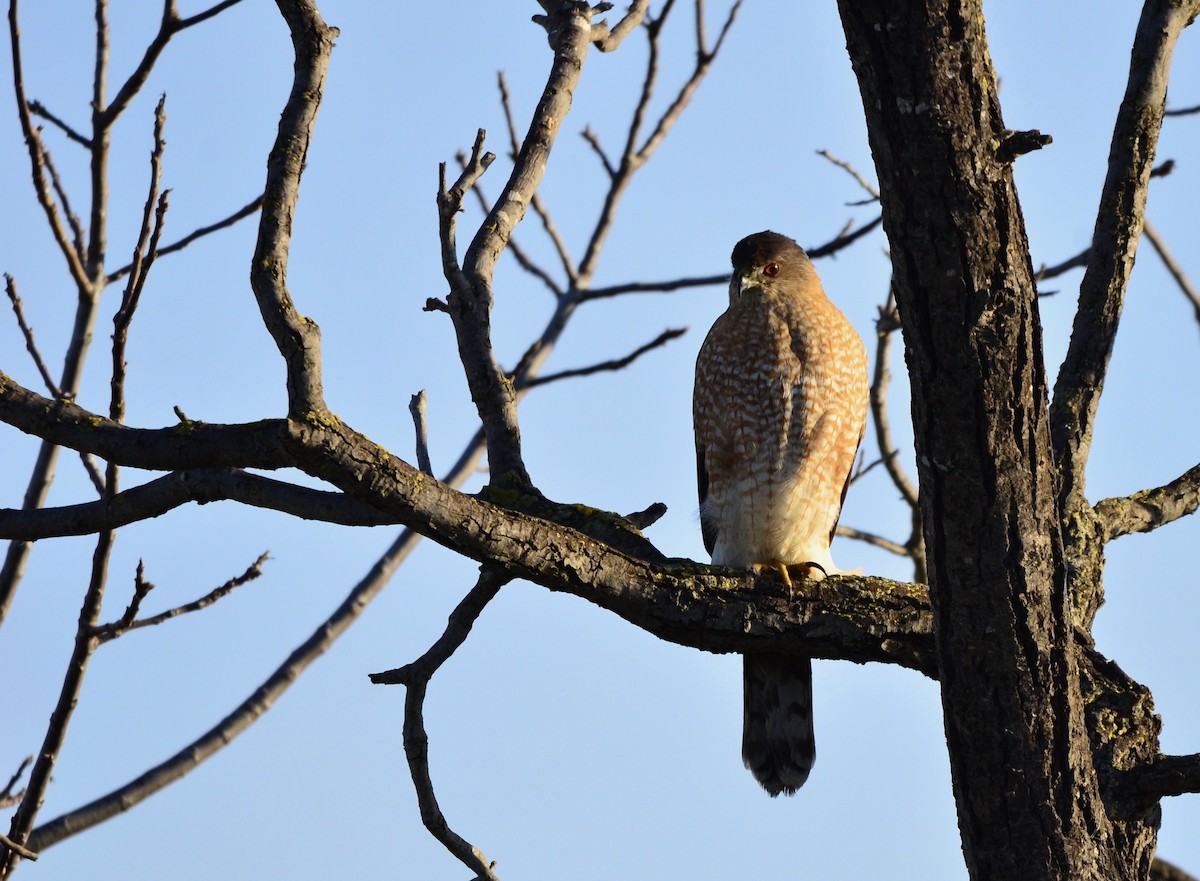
(778, 745)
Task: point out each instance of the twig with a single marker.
(73, 220)
(128, 622)
(416, 677)
(634, 156)
(8, 798)
(886, 325)
(298, 338)
(1151, 508)
(1172, 265)
(1080, 259)
(265, 695)
(870, 188)
(593, 141)
(144, 253)
(242, 213)
(1183, 111)
(653, 287)
(168, 27)
(875, 540)
(37, 108)
(141, 588)
(19, 849)
(843, 240)
(616, 364)
(33, 142)
(608, 39)
(10, 288)
(416, 406)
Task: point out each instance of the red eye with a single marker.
(771, 270)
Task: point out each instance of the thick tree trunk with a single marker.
(1028, 794)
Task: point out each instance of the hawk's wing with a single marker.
(707, 529)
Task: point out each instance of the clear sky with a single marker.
(564, 742)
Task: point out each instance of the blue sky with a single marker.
(564, 742)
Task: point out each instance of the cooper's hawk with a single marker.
(779, 409)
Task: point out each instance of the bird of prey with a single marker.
(779, 409)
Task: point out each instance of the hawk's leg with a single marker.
(808, 571)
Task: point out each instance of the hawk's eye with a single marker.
(771, 270)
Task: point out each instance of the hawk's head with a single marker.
(772, 263)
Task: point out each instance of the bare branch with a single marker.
(168, 27)
(1173, 266)
(616, 364)
(606, 39)
(1080, 259)
(143, 259)
(37, 108)
(73, 221)
(653, 287)
(843, 240)
(535, 200)
(647, 516)
(1151, 508)
(8, 797)
(523, 260)
(1167, 775)
(875, 540)
(141, 588)
(242, 213)
(298, 338)
(1183, 111)
(416, 406)
(470, 298)
(19, 849)
(416, 677)
(634, 156)
(204, 485)
(206, 14)
(33, 142)
(593, 141)
(263, 697)
(63, 423)
(10, 288)
(870, 188)
(886, 325)
(1118, 226)
(129, 621)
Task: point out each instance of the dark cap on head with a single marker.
(763, 247)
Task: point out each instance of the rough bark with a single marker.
(1028, 793)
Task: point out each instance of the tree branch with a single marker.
(1151, 508)
(1114, 242)
(129, 621)
(1166, 775)
(606, 39)
(297, 337)
(607, 366)
(1173, 267)
(203, 485)
(416, 677)
(242, 213)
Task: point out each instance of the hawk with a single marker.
(779, 409)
